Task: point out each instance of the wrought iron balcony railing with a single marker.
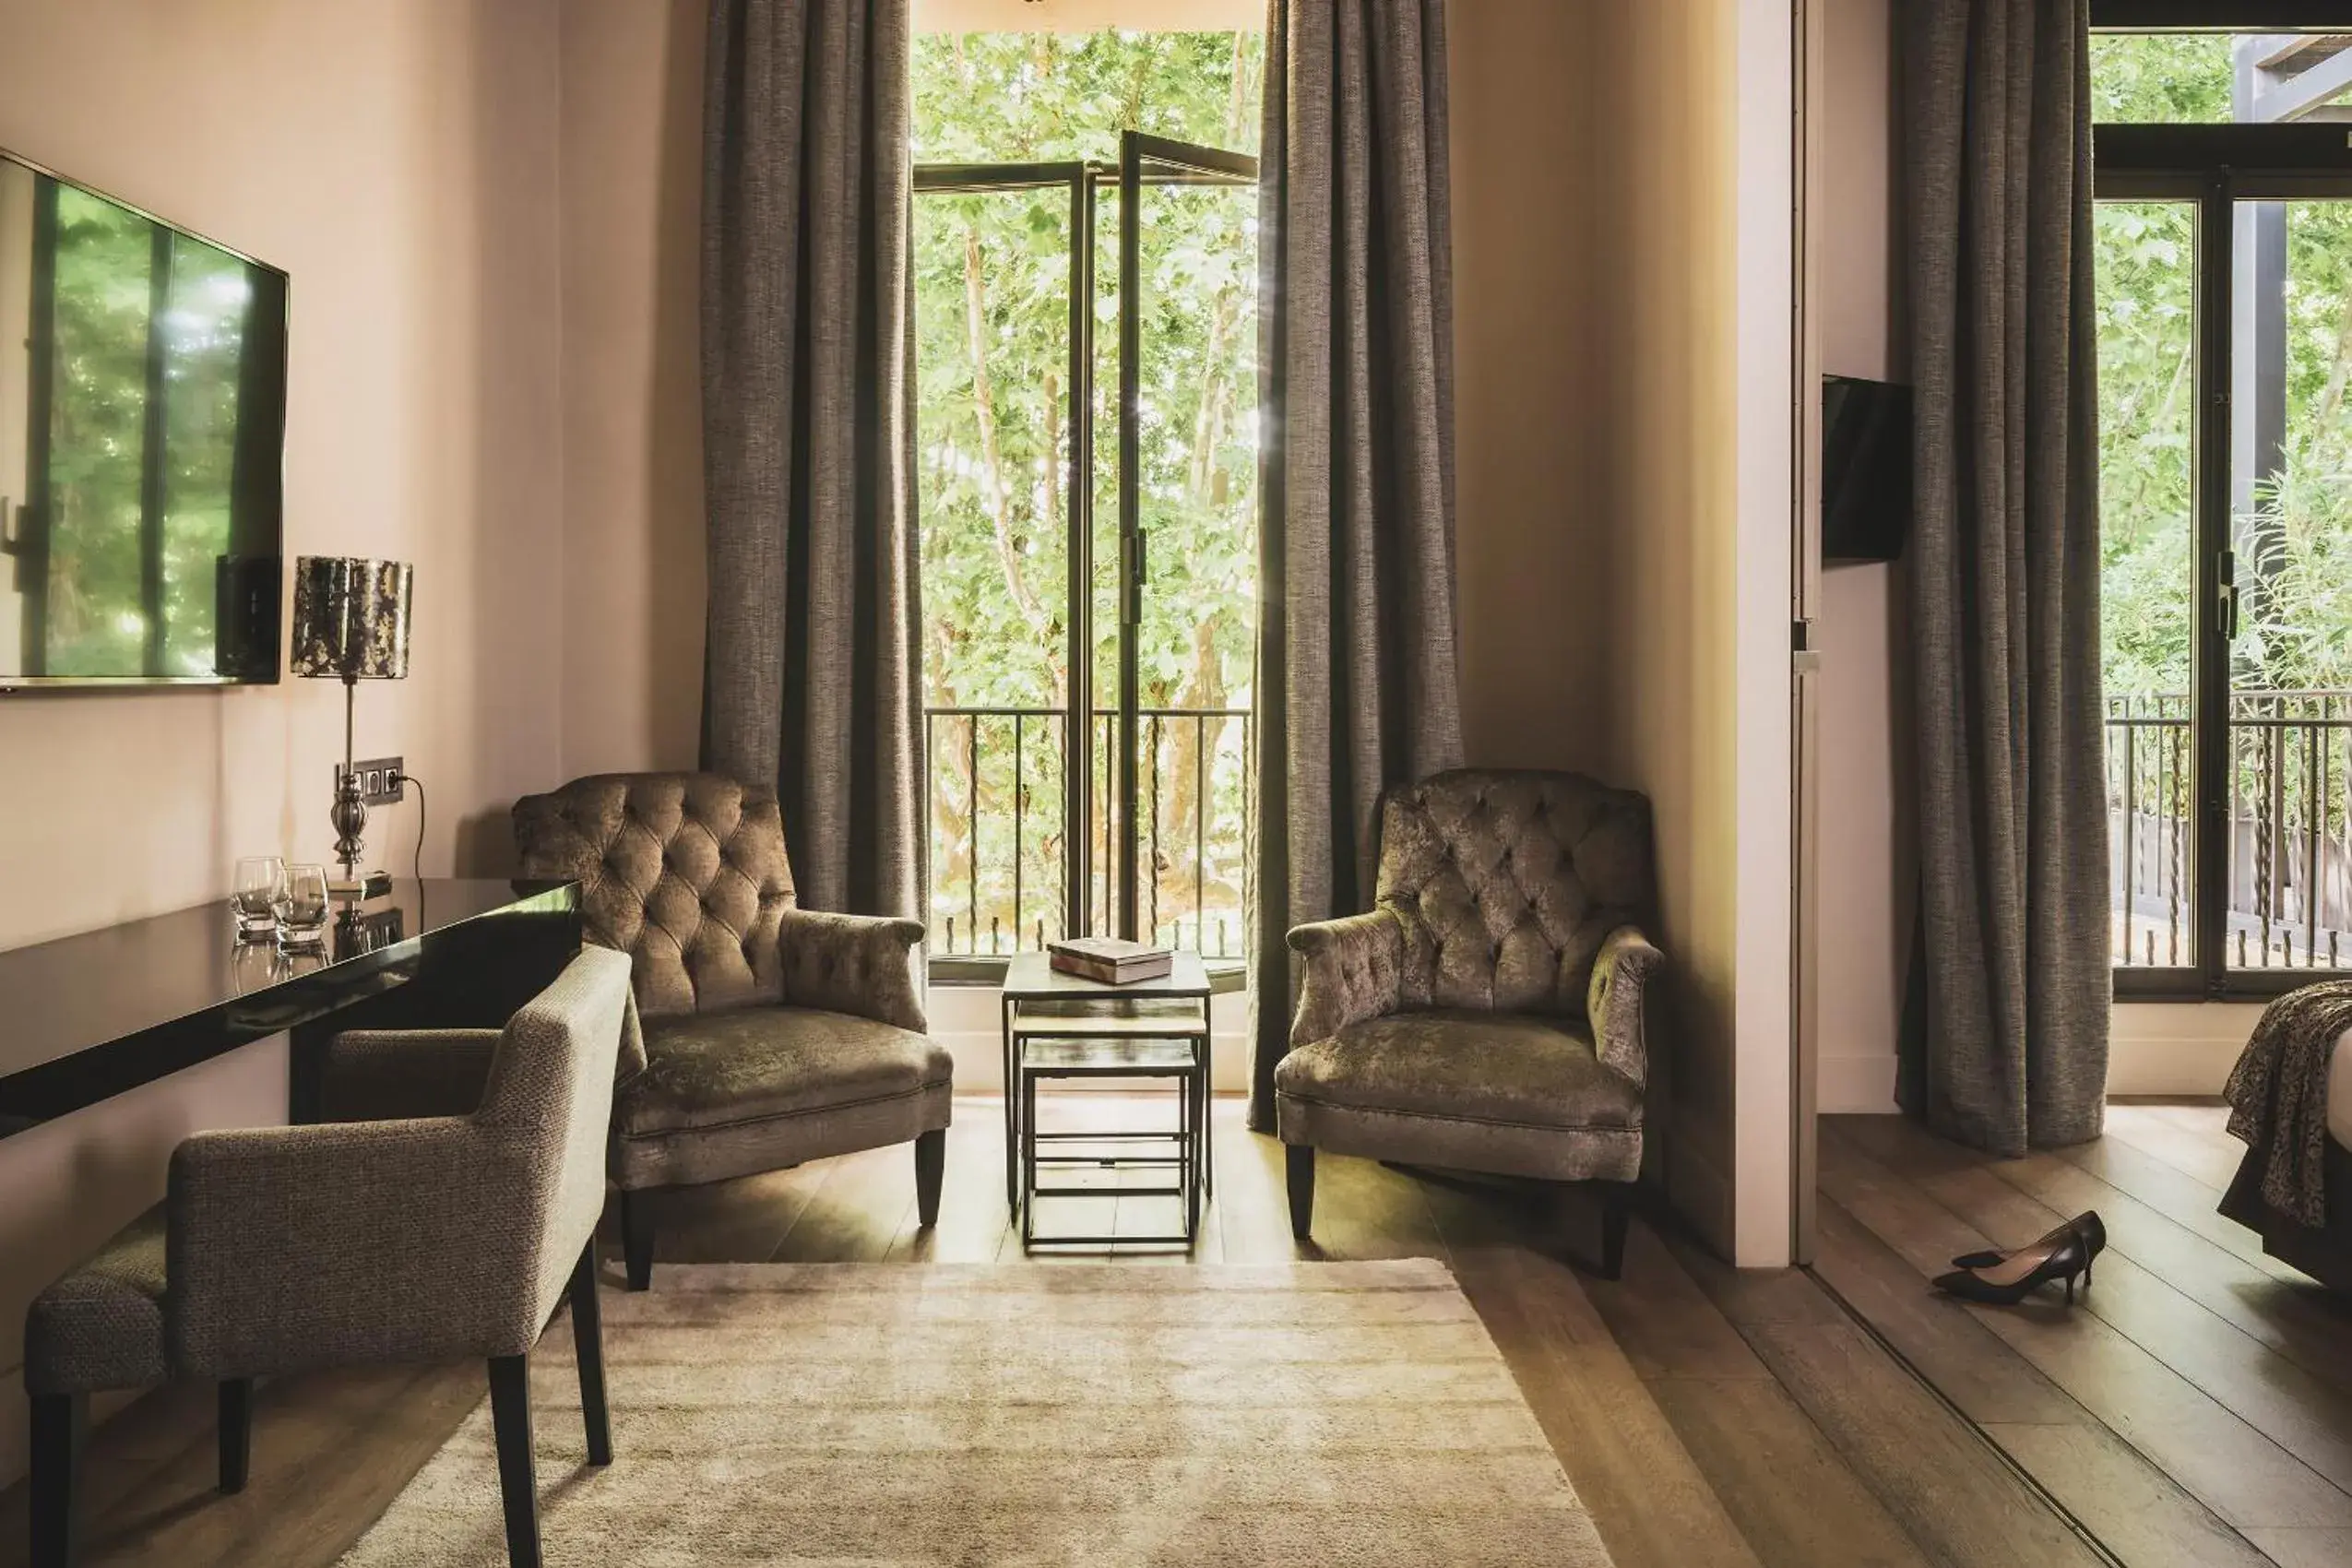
(2289, 897)
(997, 781)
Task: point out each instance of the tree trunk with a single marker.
(1000, 506)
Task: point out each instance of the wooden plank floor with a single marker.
(1708, 1416)
(2194, 1407)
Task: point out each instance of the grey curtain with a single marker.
(1356, 685)
(2004, 572)
(812, 672)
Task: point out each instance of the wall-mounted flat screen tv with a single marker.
(1866, 469)
(142, 429)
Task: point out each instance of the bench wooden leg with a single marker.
(60, 1424)
(1299, 1168)
(235, 1429)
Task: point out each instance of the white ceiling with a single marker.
(1086, 16)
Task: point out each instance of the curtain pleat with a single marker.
(1356, 683)
(812, 672)
(2004, 574)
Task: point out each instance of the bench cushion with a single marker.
(102, 1326)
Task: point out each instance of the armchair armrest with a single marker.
(388, 1075)
(1613, 1001)
(290, 1247)
(861, 965)
(1354, 970)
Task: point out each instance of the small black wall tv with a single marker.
(1866, 469)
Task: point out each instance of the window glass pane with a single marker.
(1040, 97)
(991, 302)
(993, 330)
(1196, 416)
(2146, 260)
(2291, 667)
(2218, 78)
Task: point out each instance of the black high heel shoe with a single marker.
(2022, 1272)
(2088, 1225)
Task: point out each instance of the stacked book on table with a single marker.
(1110, 960)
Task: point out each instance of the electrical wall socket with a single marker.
(379, 778)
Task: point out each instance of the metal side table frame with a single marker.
(1039, 1003)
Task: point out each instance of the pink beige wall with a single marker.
(1533, 405)
(1603, 529)
(1868, 881)
(400, 158)
(632, 555)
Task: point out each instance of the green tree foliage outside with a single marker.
(2292, 530)
(992, 277)
(2297, 633)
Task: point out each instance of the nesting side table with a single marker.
(1061, 1025)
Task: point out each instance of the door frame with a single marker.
(1144, 160)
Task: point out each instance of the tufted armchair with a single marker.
(773, 1035)
(1486, 1015)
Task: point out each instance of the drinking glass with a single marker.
(301, 907)
(261, 882)
(256, 965)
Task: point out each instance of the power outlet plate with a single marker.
(379, 778)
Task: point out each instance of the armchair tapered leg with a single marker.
(931, 1173)
(636, 1238)
(1298, 1167)
(510, 1415)
(60, 1423)
(236, 1431)
(1616, 1210)
(587, 1348)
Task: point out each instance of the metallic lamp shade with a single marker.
(351, 617)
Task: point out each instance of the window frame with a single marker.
(1144, 160)
(2215, 166)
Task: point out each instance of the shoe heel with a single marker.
(2070, 1289)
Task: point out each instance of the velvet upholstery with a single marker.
(413, 1239)
(1488, 1014)
(773, 1034)
(1518, 1094)
(685, 872)
(1507, 885)
(855, 964)
(764, 1087)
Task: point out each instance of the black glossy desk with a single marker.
(86, 1017)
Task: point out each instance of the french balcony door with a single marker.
(1089, 584)
(2225, 309)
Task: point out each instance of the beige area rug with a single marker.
(1098, 1414)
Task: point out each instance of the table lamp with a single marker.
(351, 622)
